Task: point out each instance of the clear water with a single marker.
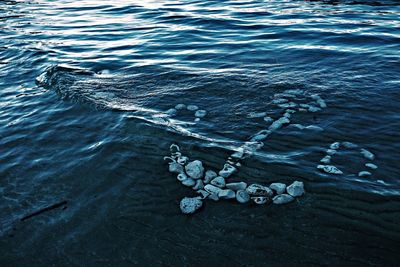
(82, 85)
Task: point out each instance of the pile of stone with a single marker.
(212, 185)
(327, 167)
(198, 113)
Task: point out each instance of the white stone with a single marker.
(260, 200)
(200, 113)
(371, 166)
(192, 107)
(209, 176)
(268, 119)
(279, 188)
(364, 174)
(195, 169)
(212, 189)
(218, 181)
(180, 106)
(242, 196)
(237, 186)
(296, 189)
(226, 194)
(181, 177)
(190, 204)
(367, 154)
(199, 185)
(330, 169)
(331, 152)
(227, 171)
(349, 145)
(189, 182)
(326, 159)
(282, 199)
(175, 167)
(259, 190)
(335, 145)
(171, 112)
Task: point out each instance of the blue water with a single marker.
(84, 87)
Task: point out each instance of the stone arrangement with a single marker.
(333, 149)
(208, 184)
(198, 113)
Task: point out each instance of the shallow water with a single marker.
(83, 91)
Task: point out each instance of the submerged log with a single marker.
(52, 207)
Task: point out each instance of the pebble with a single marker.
(190, 204)
(259, 190)
(364, 174)
(226, 194)
(279, 188)
(307, 106)
(296, 189)
(371, 165)
(175, 167)
(242, 196)
(335, 145)
(204, 194)
(189, 182)
(321, 103)
(326, 159)
(314, 109)
(192, 107)
(199, 185)
(195, 169)
(268, 119)
(209, 176)
(260, 200)
(171, 112)
(349, 145)
(331, 152)
(367, 154)
(182, 160)
(180, 106)
(237, 186)
(329, 169)
(218, 181)
(213, 196)
(257, 114)
(181, 177)
(212, 189)
(291, 111)
(279, 101)
(227, 171)
(282, 199)
(200, 113)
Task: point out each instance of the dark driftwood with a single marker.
(52, 207)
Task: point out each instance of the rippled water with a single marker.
(83, 90)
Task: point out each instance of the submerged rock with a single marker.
(268, 119)
(314, 128)
(298, 126)
(296, 189)
(227, 171)
(190, 204)
(279, 101)
(349, 145)
(326, 159)
(259, 137)
(371, 166)
(175, 167)
(279, 188)
(282, 199)
(367, 154)
(218, 181)
(259, 190)
(236, 186)
(331, 152)
(209, 176)
(180, 106)
(260, 200)
(226, 194)
(192, 107)
(329, 169)
(213, 196)
(195, 169)
(364, 174)
(171, 112)
(200, 113)
(257, 114)
(335, 145)
(212, 189)
(314, 109)
(242, 196)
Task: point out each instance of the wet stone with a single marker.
(189, 182)
(296, 189)
(242, 196)
(237, 186)
(268, 119)
(218, 181)
(260, 200)
(349, 145)
(282, 199)
(212, 189)
(367, 154)
(213, 196)
(192, 107)
(331, 152)
(175, 167)
(326, 159)
(227, 171)
(195, 169)
(335, 146)
(171, 112)
(181, 177)
(204, 194)
(371, 166)
(180, 106)
(226, 194)
(259, 190)
(199, 185)
(189, 205)
(330, 169)
(209, 176)
(279, 188)
(314, 109)
(200, 113)
(364, 174)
